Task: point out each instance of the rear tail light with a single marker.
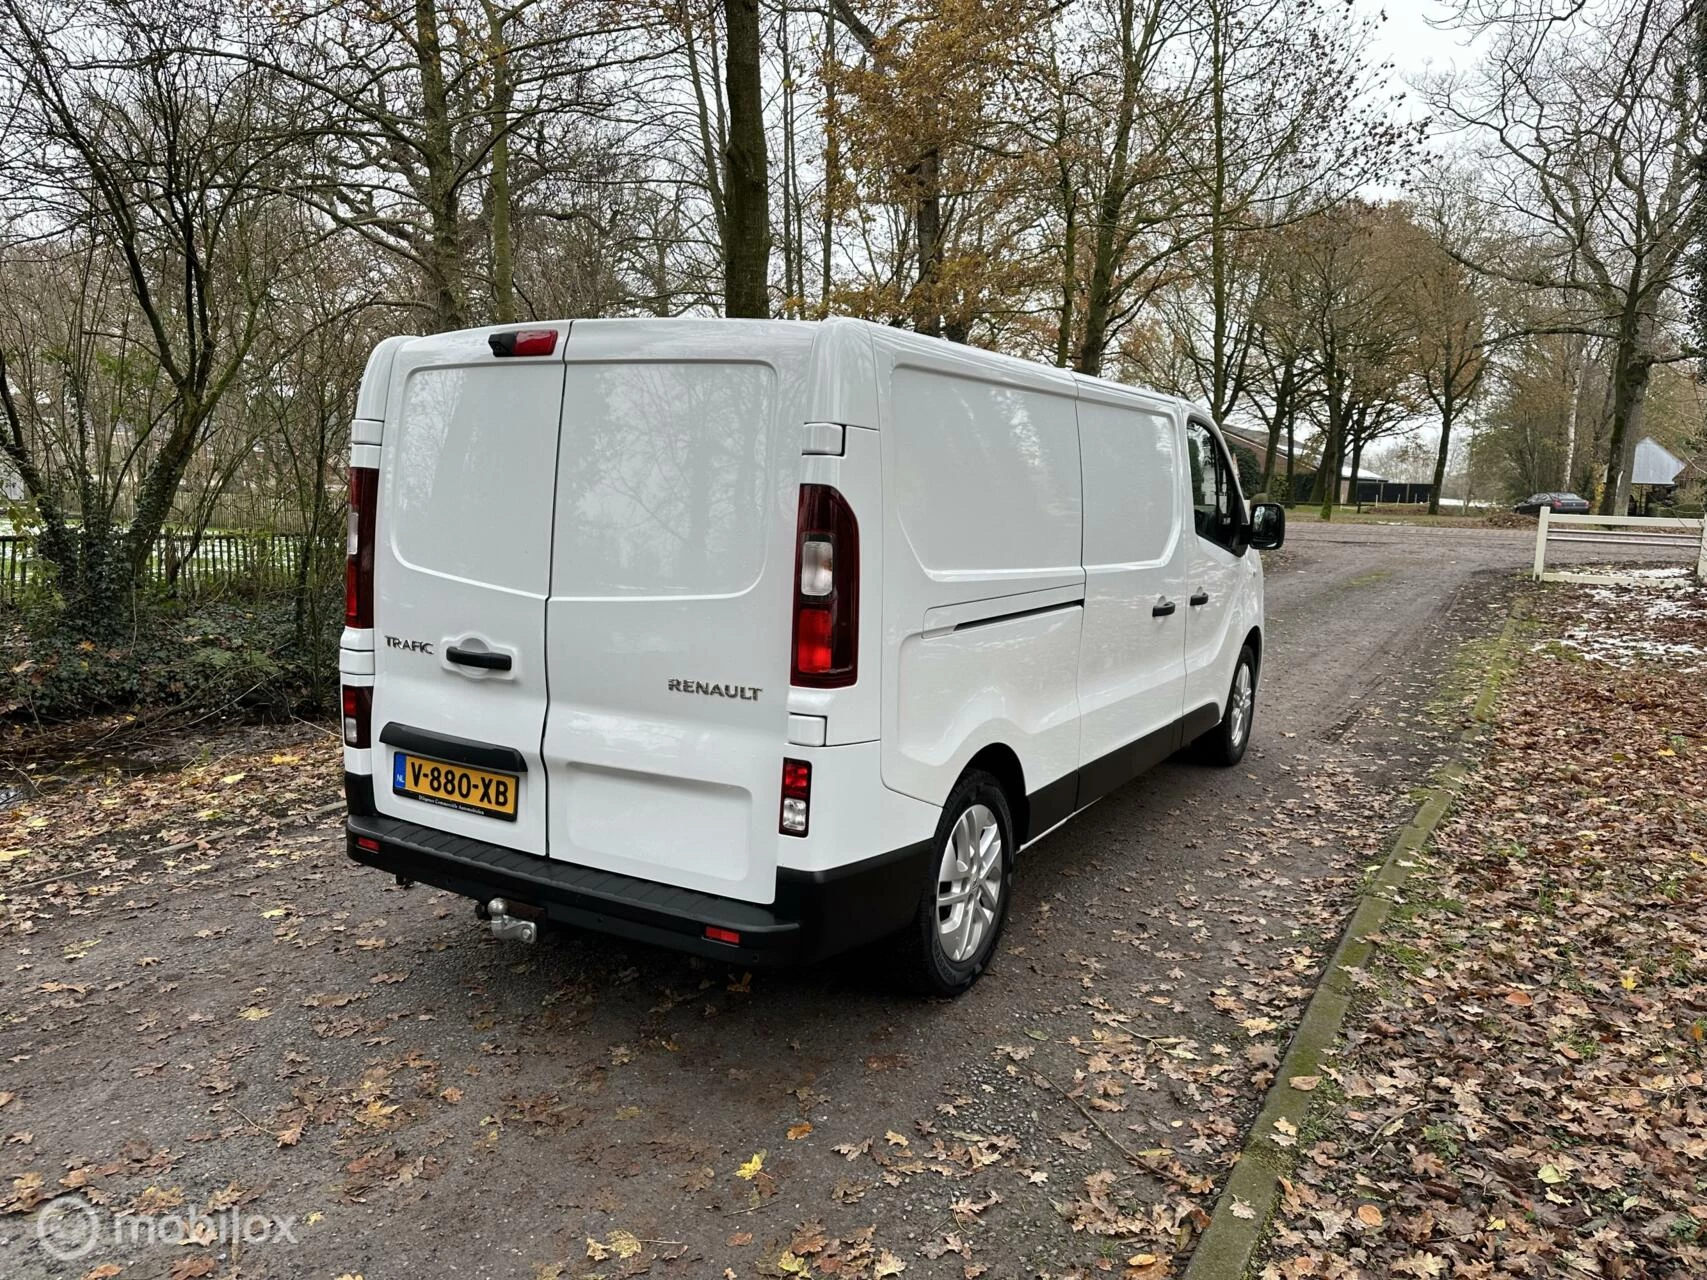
(796, 797)
(358, 565)
(826, 602)
(358, 715)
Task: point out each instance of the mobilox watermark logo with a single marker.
(69, 1228)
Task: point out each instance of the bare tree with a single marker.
(1590, 129)
(130, 151)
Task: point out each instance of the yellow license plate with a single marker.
(455, 786)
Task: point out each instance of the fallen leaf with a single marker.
(750, 1169)
(1369, 1215)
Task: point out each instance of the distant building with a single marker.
(1371, 486)
(1655, 473)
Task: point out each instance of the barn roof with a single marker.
(1654, 464)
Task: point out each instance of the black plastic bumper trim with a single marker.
(815, 914)
(443, 746)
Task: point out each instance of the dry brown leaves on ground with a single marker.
(1522, 1096)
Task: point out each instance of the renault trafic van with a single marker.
(763, 639)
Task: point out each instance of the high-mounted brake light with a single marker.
(358, 715)
(826, 605)
(796, 797)
(358, 566)
(523, 342)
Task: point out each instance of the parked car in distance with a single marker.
(764, 639)
(1565, 504)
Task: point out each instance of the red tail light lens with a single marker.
(826, 591)
(358, 565)
(796, 797)
(526, 342)
(358, 715)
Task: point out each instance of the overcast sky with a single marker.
(1411, 44)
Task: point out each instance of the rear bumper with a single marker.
(814, 915)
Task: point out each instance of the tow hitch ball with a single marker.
(506, 926)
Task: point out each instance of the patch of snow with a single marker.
(1624, 650)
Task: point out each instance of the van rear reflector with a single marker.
(523, 342)
(716, 934)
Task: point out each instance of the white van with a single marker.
(762, 639)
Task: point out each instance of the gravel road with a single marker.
(278, 1034)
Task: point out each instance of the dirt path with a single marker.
(262, 1024)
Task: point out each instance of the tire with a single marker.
(949, 943)
(1225, 744)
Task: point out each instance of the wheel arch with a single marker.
(1001, 762)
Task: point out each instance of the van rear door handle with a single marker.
(482, 658)
(1162, 608)
(1199, 597)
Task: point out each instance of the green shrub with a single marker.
(244, 655)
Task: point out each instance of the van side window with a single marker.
(1214, 494)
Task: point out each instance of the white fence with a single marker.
(1619, 537)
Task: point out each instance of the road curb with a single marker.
(1227, 1249)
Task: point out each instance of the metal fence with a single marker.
(214, 564)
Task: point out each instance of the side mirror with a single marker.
(1268, 525)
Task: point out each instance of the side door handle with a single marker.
(1162, 608)
(482, 658)
(1199, 597)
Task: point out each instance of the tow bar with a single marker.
(507, 927)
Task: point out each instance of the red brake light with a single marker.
(796, 779)
(826, 590)
(358, 566)
(523, 342)
(358, 715)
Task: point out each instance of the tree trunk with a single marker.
(927, 228)
(503, 244)
(832, 167)
(446, 303)
(1282, 417)
(1099, 301)
(746, 177)
(1575, 378)
(1069, 248)
(1291, 458)
(1631, 368)
(1448, 411)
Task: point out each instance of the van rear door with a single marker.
(461, 575)
(668, 623)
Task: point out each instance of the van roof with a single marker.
(794, 332)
